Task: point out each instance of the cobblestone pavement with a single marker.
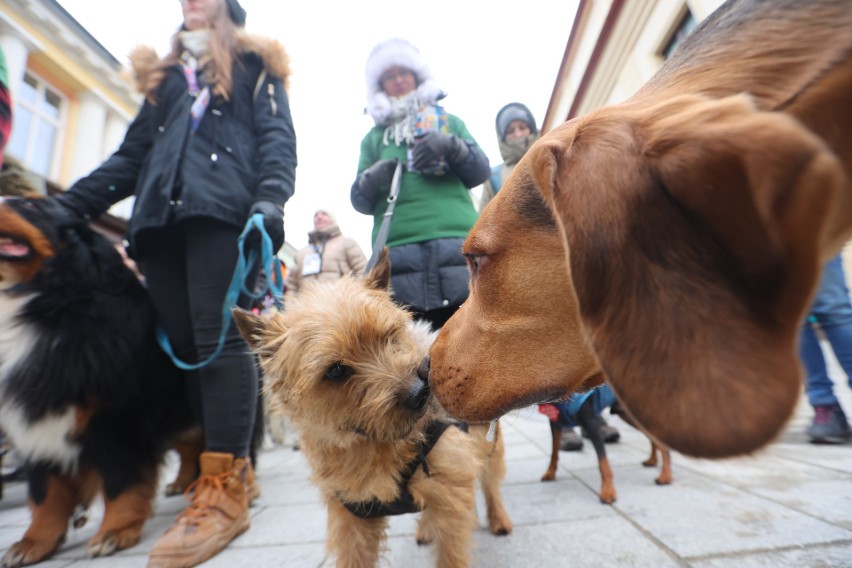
(789, 505)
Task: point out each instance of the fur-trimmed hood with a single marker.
(144, 59)
(391, 52)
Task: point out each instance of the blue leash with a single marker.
(274, 283)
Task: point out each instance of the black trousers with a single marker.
(188, 268)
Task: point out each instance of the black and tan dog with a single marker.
(671, 243)
(584, 410)
(86, 395)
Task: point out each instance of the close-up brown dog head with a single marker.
(693, 221)
(518, 338)
(690, 237)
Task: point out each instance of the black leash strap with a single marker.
(382, 237)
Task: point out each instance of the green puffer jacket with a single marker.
(428, 207)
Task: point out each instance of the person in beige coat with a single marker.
(328, 256)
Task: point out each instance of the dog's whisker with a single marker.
(492, 427)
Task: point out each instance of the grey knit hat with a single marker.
(512, 112)
(236, 12)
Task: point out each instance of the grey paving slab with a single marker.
(698, 516)
(827, 500)
(561, 500)
(293, 524)
(811, 557)
(289, 491)
(296, 556)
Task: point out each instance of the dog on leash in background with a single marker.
(342, 360)
(87, 397)
(584, 410)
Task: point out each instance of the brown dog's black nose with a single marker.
(418, 394)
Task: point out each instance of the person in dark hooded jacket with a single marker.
(212, 145)
(516, 132)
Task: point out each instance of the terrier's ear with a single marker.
(379, 277)
(251, 327)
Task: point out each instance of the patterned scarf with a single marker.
(403, 120)
(196, 45)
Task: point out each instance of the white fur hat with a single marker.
(390, 53)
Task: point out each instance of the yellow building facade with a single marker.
(71, 100)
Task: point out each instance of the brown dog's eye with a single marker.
(338, 372)
(474, 261)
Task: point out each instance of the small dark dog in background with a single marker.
(584, 410)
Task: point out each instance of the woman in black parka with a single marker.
(212, 144)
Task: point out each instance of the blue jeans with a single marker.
(832, 311)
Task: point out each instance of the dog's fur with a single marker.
(86, 396)
(342, 361)
(689, 227)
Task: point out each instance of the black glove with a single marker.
(60, 213)
(433, 146)
(377, 176)
(273, 222)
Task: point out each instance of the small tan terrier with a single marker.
(342, 361)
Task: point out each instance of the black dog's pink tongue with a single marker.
(12, 249)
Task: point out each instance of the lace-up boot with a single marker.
(217, 513)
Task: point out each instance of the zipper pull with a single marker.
(270, 88)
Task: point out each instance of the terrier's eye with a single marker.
(338, 372)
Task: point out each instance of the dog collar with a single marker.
(404, 503)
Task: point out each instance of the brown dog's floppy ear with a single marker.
(694, 258)
(761, 183)
(379, 277)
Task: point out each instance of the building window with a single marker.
(36, 125)
(684, 27)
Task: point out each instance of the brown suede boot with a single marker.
(218, 512)
(252, 488)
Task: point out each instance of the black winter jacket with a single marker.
(430, 274)
(243, 151)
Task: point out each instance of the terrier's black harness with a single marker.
(403, 504)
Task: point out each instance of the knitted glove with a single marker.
(273, 221)
(434, 145)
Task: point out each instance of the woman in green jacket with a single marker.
(441, 162)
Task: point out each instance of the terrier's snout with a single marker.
(418, 393)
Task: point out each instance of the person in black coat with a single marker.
(212, 144)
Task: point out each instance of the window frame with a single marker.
(59, 123)
(674, 37)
